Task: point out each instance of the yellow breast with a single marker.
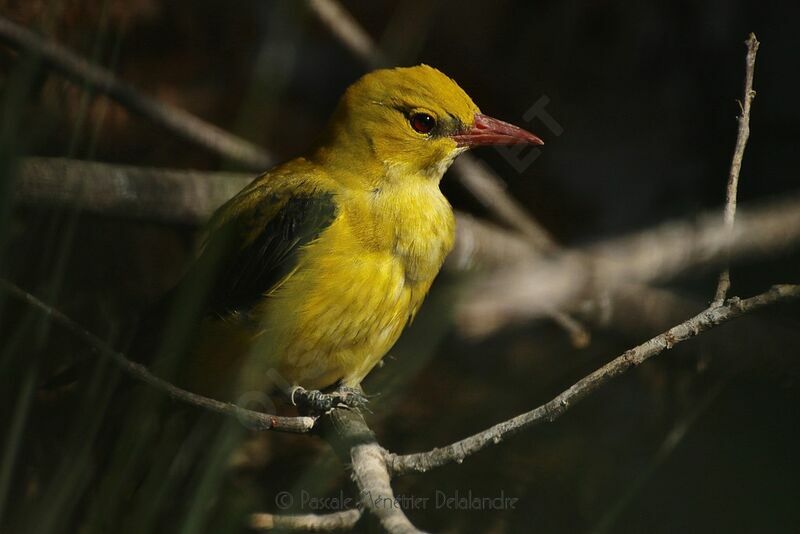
(358, 285)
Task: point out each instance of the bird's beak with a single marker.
(489, 131)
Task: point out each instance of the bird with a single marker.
(313, 270)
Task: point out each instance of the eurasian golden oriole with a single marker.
(321, 262)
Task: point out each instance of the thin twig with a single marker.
(713, 316)
(344, 520)
(254, 420)
(176, 120)
(738, 154)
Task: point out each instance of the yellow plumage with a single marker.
(357, 286)
(327, 258)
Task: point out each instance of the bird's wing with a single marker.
(255, 243)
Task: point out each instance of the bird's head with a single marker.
(410, 122)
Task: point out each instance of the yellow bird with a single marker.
(320, 263)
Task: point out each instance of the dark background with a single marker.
(646, 95)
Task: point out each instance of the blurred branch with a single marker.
(531, 289)
(579, 335)
(736, 163)
(176, 120)
(713, 316)
(636, 309)
(491, 191)
(348, 31)
(474, 175)
(344, 520)
(190, 197)
(174, 196)
(483, 244)
(257, 420)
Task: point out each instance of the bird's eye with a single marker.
(422, 122)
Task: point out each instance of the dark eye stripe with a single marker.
(422, 123)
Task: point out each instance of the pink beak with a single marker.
(489, 131)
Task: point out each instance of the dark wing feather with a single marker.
(258, 248)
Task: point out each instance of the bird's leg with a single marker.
(316, 401)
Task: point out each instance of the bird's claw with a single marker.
(317, 401)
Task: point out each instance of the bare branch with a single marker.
(738, 154)
(344, 520)
(355, 444)
(535, 288)
(255, 420)
(176, 120)
(372, 478)
(713, 316)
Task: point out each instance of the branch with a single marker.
(736, 163)
(343, 520)
(164, 195)
(534, 288)
(176, 120)
(356, 445)
(371, 475)
(255, 420)
(713, 316)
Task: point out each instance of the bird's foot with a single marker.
(316, 401)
